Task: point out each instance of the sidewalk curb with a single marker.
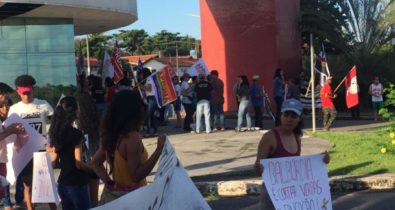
(237, 188)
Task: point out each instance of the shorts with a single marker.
(27, 173)
(377, 105)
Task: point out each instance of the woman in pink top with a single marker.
(282, 141)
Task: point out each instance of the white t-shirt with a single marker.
(186, 98)
(152, 92)
(3, 147)
(177, 88)
(377, 92)
(35, 113)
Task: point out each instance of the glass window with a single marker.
(43, 48)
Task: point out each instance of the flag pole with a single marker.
(339, 84)
(87, 55)
(312, 83)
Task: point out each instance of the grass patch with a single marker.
(359, 152)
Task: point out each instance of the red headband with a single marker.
(24, 89)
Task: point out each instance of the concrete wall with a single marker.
(253, 37)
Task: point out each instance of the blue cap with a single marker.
(292, 105)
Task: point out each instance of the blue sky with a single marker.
(181, 16)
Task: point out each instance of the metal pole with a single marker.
(312, 83)
(87, 56)
(178, 73)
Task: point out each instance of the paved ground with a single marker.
(225, 155)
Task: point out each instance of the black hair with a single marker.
(108, 82)
(4, 88)
(124, 114)
(244, 80)
(25, 80)
(64, 116)
(214, 72)
(277, 73)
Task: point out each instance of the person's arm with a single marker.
(14, 128)
(370, 90)
(265, 147)
(79, 163)
(98, 167)
(136, 169)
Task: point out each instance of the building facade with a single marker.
(37, 36)
(250, 38)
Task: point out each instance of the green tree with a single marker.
(134, 42)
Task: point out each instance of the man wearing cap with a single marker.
(328, 108)
(257, 100)
(35, 112)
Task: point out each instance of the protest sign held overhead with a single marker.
(198, 68)
(44, 185)
(172, 189)
(20, 148)
(295, 183)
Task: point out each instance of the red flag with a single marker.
(163, 86)
(116, 62)
(352, 88)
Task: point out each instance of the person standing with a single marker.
(123, 148)
(257, 100)
(328, 108)
(36, 112)
(376, 91)
(66, 142)
(177, 102)
(279, 84)
(16, 128)
(150, 118)
(282, 141)
(217, 101)
(243, 94)
(187, 97)
(203, 94)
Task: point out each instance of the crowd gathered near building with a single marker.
(115, 117)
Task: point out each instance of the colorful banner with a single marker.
(20, 148)
(116, 63)
(198, 68)
(352, 88)
(163, 87)
(172, 189)
(297, 182)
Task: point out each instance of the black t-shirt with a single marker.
(203, 90)
(98, 95)
(69, 173)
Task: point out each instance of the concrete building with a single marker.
(250, 37)
(37, 36)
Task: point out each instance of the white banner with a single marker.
(197, 68)
(44, 189)
(172, 189)
(20, 148)
(297, 182)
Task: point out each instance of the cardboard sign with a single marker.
(172, 189)
(297, 183)
(20, 148)
(44, 189)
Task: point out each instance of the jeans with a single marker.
(203, 107)
(258, 116)
(243, 111)
(19, 188)
(150, 114)
(279, 101)
(217, 111)
(74, 197)
(189, 110)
